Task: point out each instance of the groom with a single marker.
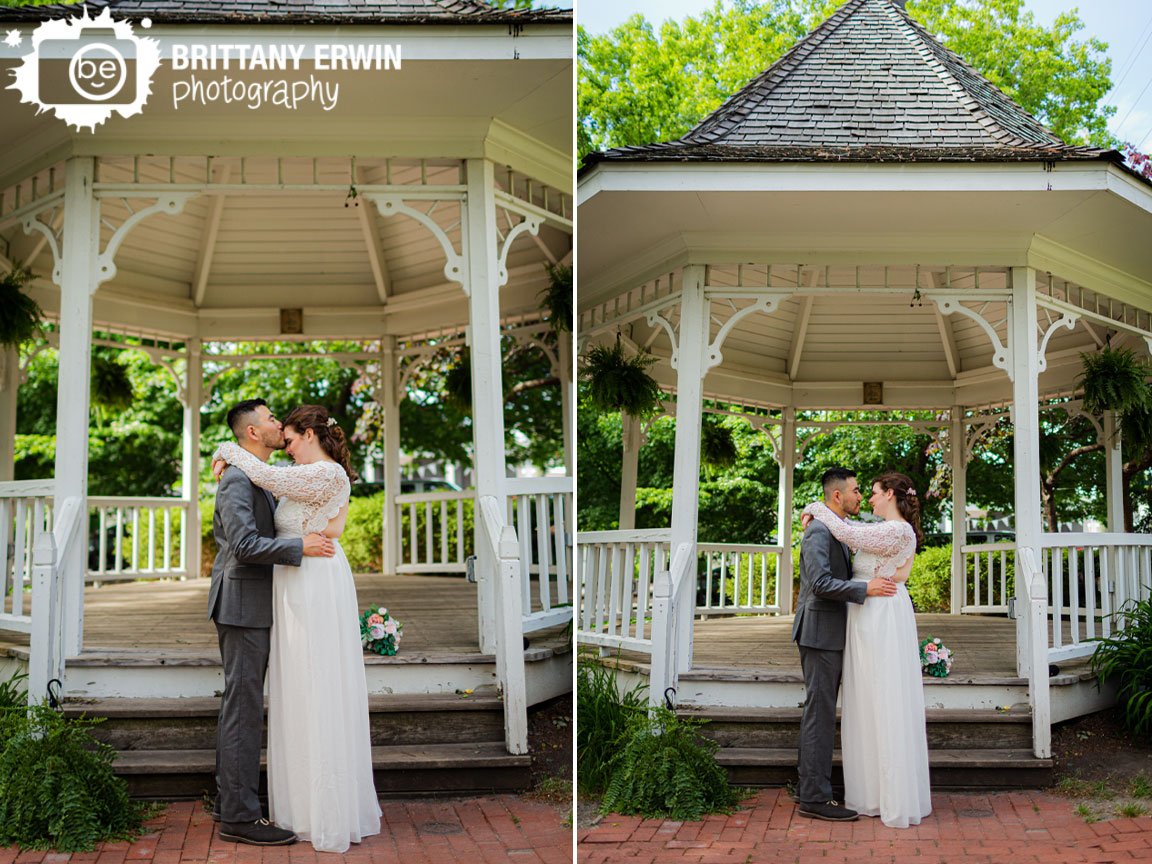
(240, 602)
(819, 629)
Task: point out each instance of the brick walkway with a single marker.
(491, 830)
(1003, 828)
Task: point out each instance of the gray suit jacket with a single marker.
(241, 592)
(825, 586)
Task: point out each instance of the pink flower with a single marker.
(375, 619)
(376, 631)
(390, 628)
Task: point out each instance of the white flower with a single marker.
(937, 641)
(376, 631)
(390, 627)
(383, 610)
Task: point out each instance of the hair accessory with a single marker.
(911, 492)
(331, 422)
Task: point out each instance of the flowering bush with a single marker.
(935, 657)
(379, 632)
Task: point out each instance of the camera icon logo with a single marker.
(86, 69)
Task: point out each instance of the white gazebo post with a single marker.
(390, 404)
(9, 389)
(481, 250)
(1114, 466)
(567, 407)
(693, 341)
(192, 397)
(957, 448)
(786, 459)
(629, 471)
(77, 284)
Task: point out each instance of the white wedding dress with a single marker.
(883, 735)
(319, 746)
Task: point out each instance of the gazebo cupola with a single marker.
(869, 224)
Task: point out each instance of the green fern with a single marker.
(666, 768)
(557, 297)
(717, 446)
(20, 315)
(1114, 379)
(617, 382)
(458, 382)
(57, 788)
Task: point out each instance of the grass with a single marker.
(1131, 810)
(1140, 787)
(553, 790)
(1085, 813)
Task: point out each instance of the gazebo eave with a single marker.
(641, 220)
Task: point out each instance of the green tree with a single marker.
(639, 84)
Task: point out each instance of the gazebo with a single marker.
(418, 212)
(869, 225)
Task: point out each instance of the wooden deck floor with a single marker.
(438, 614)
(984, 645)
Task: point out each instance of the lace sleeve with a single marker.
(317, 483)
(886, 539)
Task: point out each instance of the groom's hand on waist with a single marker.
(879, 587)
(318, 546)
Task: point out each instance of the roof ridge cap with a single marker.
(926, 49)
(783, 67)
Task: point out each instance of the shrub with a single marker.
(930, 583)
(666, 768)
(57, 789)
(1126, 657)
(602, 716)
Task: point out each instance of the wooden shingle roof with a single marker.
(298, 12)
(869, 84)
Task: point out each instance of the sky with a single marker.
(1126, 25)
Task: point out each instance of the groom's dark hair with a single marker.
(238, 417)
(834, 477)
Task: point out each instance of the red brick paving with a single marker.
(1002, 828)
(491, 830)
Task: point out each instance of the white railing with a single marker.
(25, 511)
(738, 578)
(670, 591)
(436, 540)
(46, 648)
(1033, 598)
(1089, 578)
(988, 565)
(540, 510)
(617, 572)
(500, 539)
(138, 538)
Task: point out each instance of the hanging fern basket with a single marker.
(557, 297)
(617, 382)
(111, 384)
(458, 382)
(19, 314)
(717, 446)
(1115, 380)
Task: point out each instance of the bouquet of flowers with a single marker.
(935, 657)
(379, 632)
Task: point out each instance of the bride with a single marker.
(319, 748)
(882, 729)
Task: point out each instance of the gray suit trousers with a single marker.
(244, 652)
(822, 671)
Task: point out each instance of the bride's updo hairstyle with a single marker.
(328, 433)
(907, 501)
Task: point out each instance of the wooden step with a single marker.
(948, 769)
(948, 728)
(190, 724)
(399, 771)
